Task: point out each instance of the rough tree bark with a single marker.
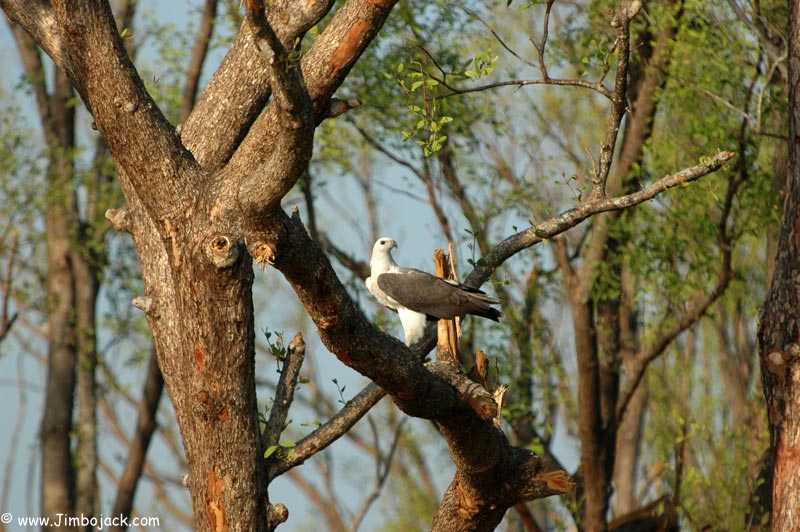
(202, 203)
(779, 327)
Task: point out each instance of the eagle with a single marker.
(418, 296)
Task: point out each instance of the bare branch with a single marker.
(284, 392)
(586, 208)
(595, 86)
(383, 467)
(619, 100)
(145, 426)
(330, 431)
(199, 54)
(358, 267)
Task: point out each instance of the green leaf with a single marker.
(270, 451)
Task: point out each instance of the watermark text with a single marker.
(99, 523)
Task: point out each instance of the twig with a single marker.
(7, 322)
(381, 473)
(597, 87)
(330, 431)
(510, 50)
(284, 392)
(619, 100)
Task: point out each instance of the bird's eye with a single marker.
(383, 242)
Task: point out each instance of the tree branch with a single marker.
(586, 208)
(199, 54)
(330, 431)
(284, 392)
(619, 100)
(239, 89)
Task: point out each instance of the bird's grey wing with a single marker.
(435, 297)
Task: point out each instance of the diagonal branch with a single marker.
(330, 431)
(37, 17)
(199, 54)
(586, 208)
(694, 311)
(284, 392)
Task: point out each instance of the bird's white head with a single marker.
(381, 259)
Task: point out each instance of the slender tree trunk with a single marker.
(87, 286)
(58, 471)
(600, 349)
(145, 426)
(629, 437)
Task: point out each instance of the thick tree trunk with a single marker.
(202, 322)
(779, 328)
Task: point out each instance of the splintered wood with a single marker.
(449, 331)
